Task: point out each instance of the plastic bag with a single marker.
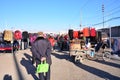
(42, 67)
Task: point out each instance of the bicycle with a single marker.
(102, 51)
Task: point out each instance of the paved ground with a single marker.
(19, 67)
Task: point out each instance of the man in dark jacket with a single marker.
(41, 50)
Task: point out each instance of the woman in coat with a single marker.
(41, 50)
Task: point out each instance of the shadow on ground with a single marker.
(30, 68)
(98, 72)
(92, 70)
(20, 76)
(7, 77)
(62, 56)
(108, 63)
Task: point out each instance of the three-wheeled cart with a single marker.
(76, 50)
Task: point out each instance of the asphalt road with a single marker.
(19, 67)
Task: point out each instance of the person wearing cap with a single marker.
(41, 50)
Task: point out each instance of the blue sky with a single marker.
(57, 15)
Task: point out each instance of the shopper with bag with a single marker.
(41, 50)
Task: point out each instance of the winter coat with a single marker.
(52, 41)
(41, 48)
(25, 36)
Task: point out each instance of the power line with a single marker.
(98, 11)
(109, 14)
(106, 21)
(112, 13)
(115, 12)
(112, 2)
(118, 7)
(84, 4)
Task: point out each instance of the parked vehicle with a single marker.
(7, 46)
(101, 51)
(76, 50)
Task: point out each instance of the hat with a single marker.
(40, 34)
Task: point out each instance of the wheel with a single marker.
(72, 59)
(106, 56)
(91, 55)
(77, 58)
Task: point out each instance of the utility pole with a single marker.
(80, 20)
(110, 35)
(12, 40)
(103, 13)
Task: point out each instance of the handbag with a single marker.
(42, 67)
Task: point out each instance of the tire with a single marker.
(77, 58)
(72, 58)
(106, 56)
(90, 57)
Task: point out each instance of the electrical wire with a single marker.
(112, 13)
(83, 6)
(118, 7)
(109, 13)
(111, 19)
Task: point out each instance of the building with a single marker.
(115, 31)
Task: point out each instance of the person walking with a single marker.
(41, 50)
(52, 41)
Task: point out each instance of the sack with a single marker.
(86, 32)
(17, 35)
(42, 67)
(25, 35)
(92, 32)
(70, 33)
(75, 34)
(80, 34)
(8, 35)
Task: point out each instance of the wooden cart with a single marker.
(76, 50)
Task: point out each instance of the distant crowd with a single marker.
(23, 39)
